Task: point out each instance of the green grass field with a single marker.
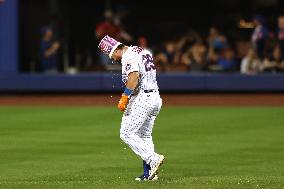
(79, 147)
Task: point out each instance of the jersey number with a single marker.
(148, 62)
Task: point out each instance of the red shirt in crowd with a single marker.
(107, 28)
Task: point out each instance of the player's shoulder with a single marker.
(137, 51)
(132, 53)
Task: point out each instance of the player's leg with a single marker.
(154, 163)
(145, 133)
(133, 119)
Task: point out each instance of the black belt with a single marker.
(149, 91)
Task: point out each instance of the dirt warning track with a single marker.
(168, 100)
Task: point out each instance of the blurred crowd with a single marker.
(215, 53)
(191, 51)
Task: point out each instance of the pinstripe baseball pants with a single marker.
(137, 124)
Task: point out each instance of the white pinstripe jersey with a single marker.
(140, 60)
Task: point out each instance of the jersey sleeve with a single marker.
(132, 65)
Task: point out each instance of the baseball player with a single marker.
(140, 102)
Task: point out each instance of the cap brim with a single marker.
(113, 49)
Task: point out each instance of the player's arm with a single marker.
(132, 82)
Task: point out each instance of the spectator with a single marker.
(259, 36)
(274, 63)
(250, 64)
(168, 56)
(49, 49)
(195, 57)
(143, 42)
(216, 40)
(226, 62)
(110, 26)
(281, 34)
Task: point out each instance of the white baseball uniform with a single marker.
(144, 104)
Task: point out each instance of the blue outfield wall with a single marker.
(265, 82)
(107, 82)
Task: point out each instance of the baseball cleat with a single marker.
(145, 178)
(155, 177)
(155, 166)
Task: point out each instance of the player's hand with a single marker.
(122, 103)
